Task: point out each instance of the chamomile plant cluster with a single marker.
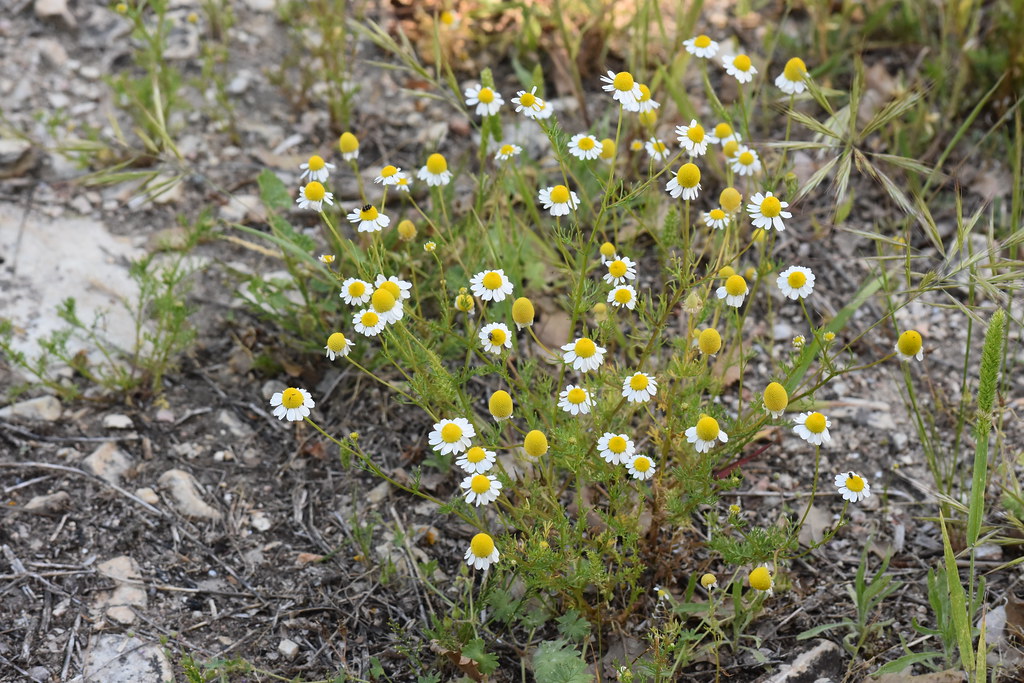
(578, 327)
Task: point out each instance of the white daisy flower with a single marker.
(491, 285)
(559, 200)
(701, 46)
(796, 282)
(740, 68)
(292, 404)
(476, 460)
(657, 149)
(813, 428)
(338, 346)
(645, 104)
(686, 183)
(349, 146)
(852, 487)
(312, 196)
(625, 90)
(355, 292)
(389, 175)
(486, 100)
(607, 251)
(368, 322)
(584, 146)
(910, 345)
(716, 218)
(745, 161)
(385, 304)
(623, 296)
(721, 134)
(495, 337)
(616, 449)
(792, 79)
(481, 552)
(316, 169)
(368, 219)
(435, 173)
(761, 579)
(326, 259)
(575, 400)
(692, 138)
(620, 270)
(507, 151)
(400, 289)
(545, 111)
(766, 211)
(528, 103)
(451, 436)
(583, 354)
(734, 291)
(639, 388)
(481, 489)
(640, 467)
(404, 182)
(706, 434)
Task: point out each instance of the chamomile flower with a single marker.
(584, 146)
(798, 342)
(316, 169)
(559, 200)
(406, 230)
(709, 581)
(692, 138)
(620, 270)
(776, 399)
(487, 100)
(481, 489)
(429, 247)
(910, 346)
(607, 150)
(709, 341)
(338, 346)
(386, 305)
(500, 405)
(464, 300)
(791, 80)
(491, 285)
(645, 104)
(721, 134)
(686, 182)
(348, 144)
(734, 291)
(326, 259)
(481, 552)
(404, 182)
(766, 211)
(522, 312)
(535, 443)
(852, 487)
(607, 251)
(495, 337)
(368, 322)
(636, 146)
(745, 161)
(355, 292)
(730, 199)
(435, 173)
(575, 400)
(716, 218)
(368, 219)
(796, 282)
(740, 68)
(623, 296)
(701, 46)
(624, 89)
(583, 354)
(292, 404)
(389, 175)
(400, 289)
(476, 460)
(657, 149)
(639, 388)
(545, 111)
(528, 103)
(451, 436)
(705, 434)
(640, 467)
(616, 449)
(507, 151)
(761, 579)
(813, 428)
(312, 195)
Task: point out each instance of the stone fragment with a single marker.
(147, 494)
(116, 657)
(823, 661)
(127, 593)
(49, 504)
(41, 409)
(289, 648)
(108, 462)
(117, 421)
(16, 157)
(185, 496)
(55, 11)
(260, 521)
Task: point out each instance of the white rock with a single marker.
(44, 505)
(16, 157)
(260, 521)
(185, 496)
(261, 5)
(117, 421)
(108, 462)
(57, 11)
(289, 648)
(127, 593)
(148, 495)
(116, 657)
(42, 409)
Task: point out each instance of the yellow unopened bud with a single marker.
(693, 303)
(348, 143)
(535, 444)
(730, 199)
(407, 230)
(522, 312)
(648, 118)
(600, 311)
(500, 405)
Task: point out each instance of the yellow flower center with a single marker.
(451, 433)
(447, 18)
(759, 235)
(407, 229)
(587, 143)
(648, 118)
(528, 100)
(388, 171)
(730, 148)
(507, 150)
(771, 207)
(482, 545)
(357, 289)
(658, 146)
(775, 397)
(336, 342)
(910, 343)
(623, 81)
(292, 398)
(723, 130)
(475, 455)
(480, 484)
(607, 148)
(382, 300)
(314, 191)
(623, 296)
(796, 279)
(742, 62)
(707, 428)
(726, 272)
(369, 319)
(855, 483)
(708, 580)
(392, 287)
(815, 423)
(348, 142)
(688, 175)
(535, 444)
(585, 348)
(702, 41)
(500, 403)
(607, 250)
(486, 95)
(760, 579)
(437, 164)
(522, 311)
(497, 336)
(696, 133)
(368, 213)
(638, 382)
(559, 194)
(617, 268)
(617, 444)
(577, 396)
(645, 93)
(709, 341)
(315, 163)
(464, 302)
(736, 285)
(795, 70)
(747, 158)
(492, 280)
(717, 214)
(642, 464)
